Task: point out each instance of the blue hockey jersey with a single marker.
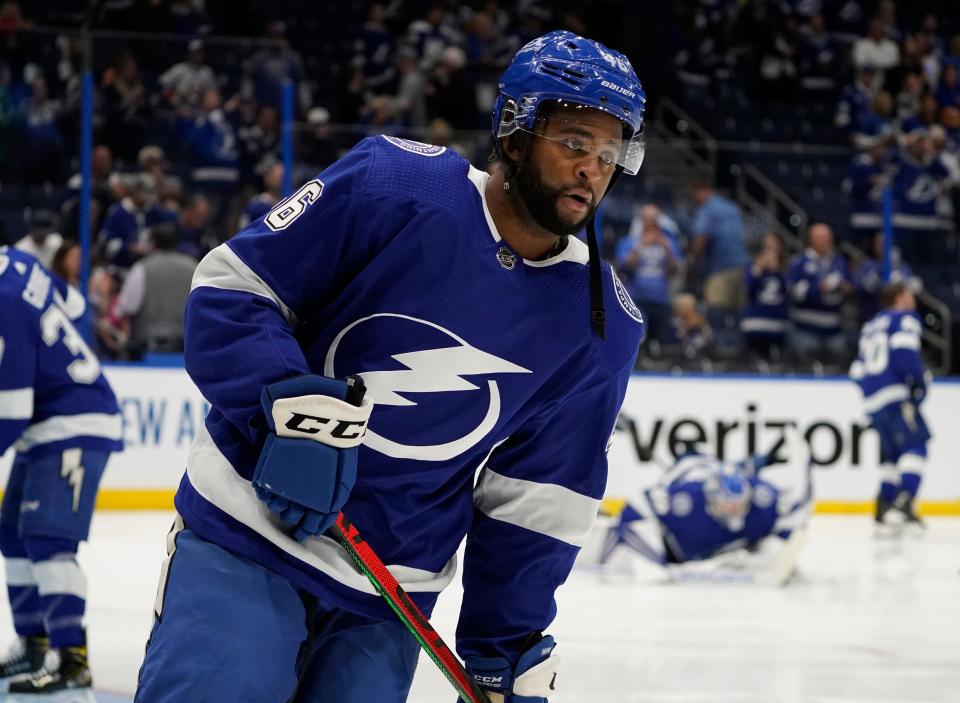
(816, 310)
(889, 367)
(389, 265)
(765, 314)
(53, 394)
(780, 501)
(917, 186)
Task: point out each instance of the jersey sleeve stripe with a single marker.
(914, 463)
(885, 396)
(60, 577)
(19, 572)
(213, 477)
(545, 508)
(223, 269)
(905, 340)
(60, 427)
(16, 404)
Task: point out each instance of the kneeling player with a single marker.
(59, 410)
(716, 521)
(889, 371)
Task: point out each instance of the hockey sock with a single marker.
(889, 482)
(910, 482)
(21, 585)
(911, 472)
(62, 587)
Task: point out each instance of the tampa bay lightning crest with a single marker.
(419, 377)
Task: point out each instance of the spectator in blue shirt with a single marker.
(764, 320)
(865, 183)
(819, 283)
(260, 204)
(869, 279)
(41, 149)
(691, 327)
(948, 92)
(647, 262)
(875, 125)
(121, 236)
(855, 100)
(271, 67)
(718, 247)
(819, 56)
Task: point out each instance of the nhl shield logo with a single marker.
(507, 258)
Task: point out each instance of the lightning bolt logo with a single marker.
(438, 370)
(434, 371)
(72, 470)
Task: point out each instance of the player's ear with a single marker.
(514, 145)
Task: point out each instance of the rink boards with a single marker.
(730, 415)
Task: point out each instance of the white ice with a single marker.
(866, 621)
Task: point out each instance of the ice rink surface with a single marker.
(865, 621)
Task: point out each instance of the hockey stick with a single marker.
(405, 609)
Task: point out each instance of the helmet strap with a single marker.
(598, 315)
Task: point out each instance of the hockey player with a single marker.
(488, 337)
(889, 371)
(711, 520)
(58, 411)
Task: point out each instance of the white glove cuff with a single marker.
(539, 681)
(323, 419)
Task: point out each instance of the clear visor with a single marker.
(577, 136)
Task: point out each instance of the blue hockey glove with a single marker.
(532, 680)
(308, 463)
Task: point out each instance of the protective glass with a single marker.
(626, 153)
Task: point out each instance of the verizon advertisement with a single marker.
(729, 416)
(735, 416)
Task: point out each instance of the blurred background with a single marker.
(764, 118)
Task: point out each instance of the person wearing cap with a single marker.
(184, 82)
(316, 146)
(42, 239)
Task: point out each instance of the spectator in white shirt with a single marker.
(41, 240)
(876, 49)
(185, 82)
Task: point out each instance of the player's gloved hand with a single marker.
(532, 680)
(308, 463)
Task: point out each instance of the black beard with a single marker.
(541, 202)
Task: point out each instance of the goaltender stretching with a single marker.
(711, 520)
(486, 336)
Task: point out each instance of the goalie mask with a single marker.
(728, 497)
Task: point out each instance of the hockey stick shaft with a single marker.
(405, 609)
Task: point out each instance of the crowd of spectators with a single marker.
(189, 152)
(888, 73)
(710, 292)
(187, 148)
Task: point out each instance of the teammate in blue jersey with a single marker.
(487, 337)
(59, 414)
(712, 520)
(889, 370)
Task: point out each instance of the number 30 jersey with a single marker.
(889, 368)
(53, 394)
